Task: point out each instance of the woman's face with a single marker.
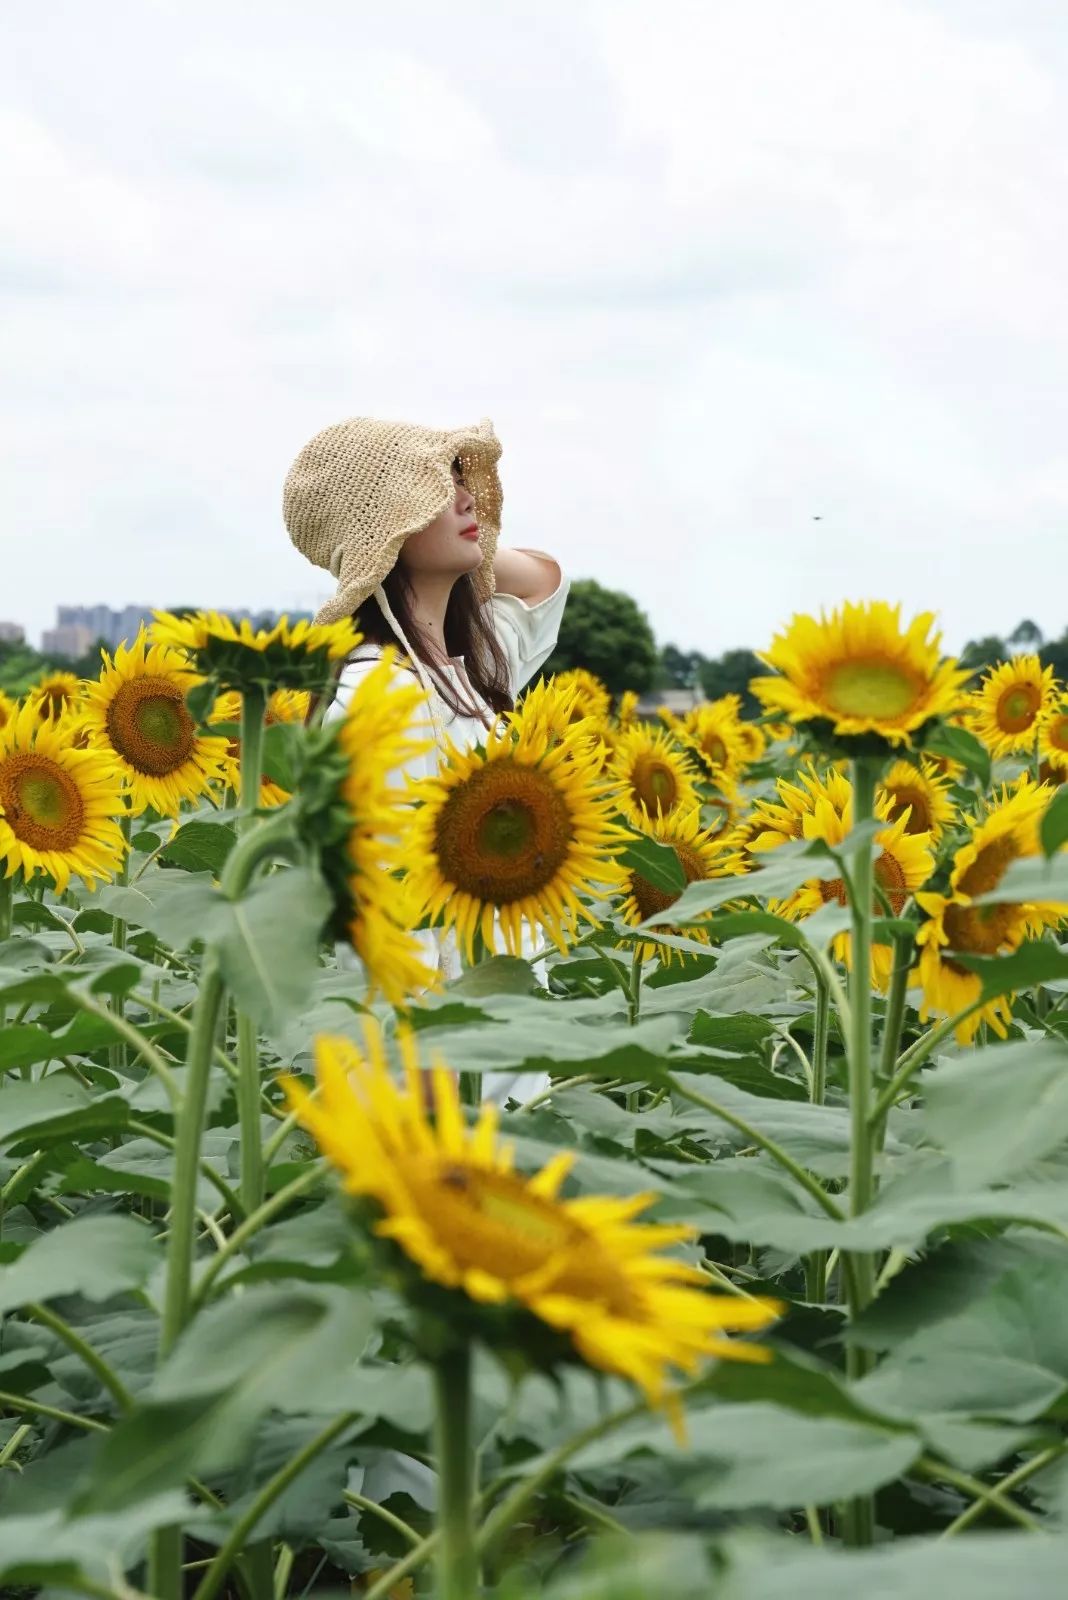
(450, 545)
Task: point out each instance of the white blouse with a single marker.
(527, 635)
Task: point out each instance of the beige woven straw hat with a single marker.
(360, 487)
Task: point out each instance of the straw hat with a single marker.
(359, 488)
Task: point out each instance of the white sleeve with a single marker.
(423, 765)
(527, 634)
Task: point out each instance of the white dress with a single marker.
(527, 634)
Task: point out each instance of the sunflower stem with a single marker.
(250, 1123)
(7, 901)
(859, 1521)
(816, 1265)
(634, 987)
(893, 1022)
(457, 1558)
(117, 1053)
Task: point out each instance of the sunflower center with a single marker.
(889, 877)
(715, 750)
(504, 833)
(1018, 707)
(40, 802)
(648, 898)
(490, 1221)
(1057, 733)
(654, 785)
(150, 726)
(901, 798)
(870, 688)
(980, 930)
(986, 871)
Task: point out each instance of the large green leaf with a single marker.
(200, 846)
(239, 1359)
(1053, 829)
(657, 863)
(92, 1256)
(269, 944)
(52, 1547)
(55, 1108)
(1034, 963)
(996, 1111)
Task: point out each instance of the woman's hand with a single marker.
(530, 575)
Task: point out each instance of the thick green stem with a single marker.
(816, 1265)
(457, 1560)
(859, 1522)
(253, 709)
(117, 1052)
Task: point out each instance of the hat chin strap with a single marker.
(422, 672)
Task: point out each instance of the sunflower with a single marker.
(299, 655)
(700, 852)
(775, 822)
(627, 709)
(858, 671)
(57, 804)
(350, 804)
(1009, 703)
(714, 733)
(923, 792)
(754, 741)
(1053, 741)
(902, 860)
(513, 832)
(456, 1213)
(137, 710)
(55, 694)
(8, 707)
(592, 699)
(655, 776)
(552, 708)
(1007, 832)
(283, 705)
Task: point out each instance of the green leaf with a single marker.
(782, 871)
(282, 746)
(1053, 829)
(1032, 878)
(497, 975)
(51, 1547)
(92, 1256)
(269, 944)
(200, 846)
(957, 744)
(55, 1108)
(657, 863)
(997, 1111)
(239, 1359)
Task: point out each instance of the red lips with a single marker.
(470, 532)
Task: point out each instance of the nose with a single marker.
(465, 500)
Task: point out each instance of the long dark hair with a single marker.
(468, 633)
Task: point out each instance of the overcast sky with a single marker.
(716, 270)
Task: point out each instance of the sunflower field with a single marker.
(632, 1161)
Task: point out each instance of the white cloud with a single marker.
(714, 270)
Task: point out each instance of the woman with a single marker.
(407, 519)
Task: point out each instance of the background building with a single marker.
(12, 633)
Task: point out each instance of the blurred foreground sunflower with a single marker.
(513, 833)
(861, 673)
(1009, 703)
(1007, 832)
(8, 707)
(137, 711)
(1053, 741)
(655, 776)
(448, 1198)
(57, 804)
(701, 853)
(288, 655)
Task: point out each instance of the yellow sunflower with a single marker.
(381, 730)
(57, 804)
(592, 699)
(55, 693)
(754, 741)
(1007, 832)
(137, 710)
(700, 852)
(921, 790)
(1010, 702)
(8, 707)
(902, 861)
(287, 655)
(447, 1197)
(858, 670)
(654, 775)
(775, 822)
(513, 833)
(283, 705)
(1053, 741)
(627, 709)
(714, 733)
